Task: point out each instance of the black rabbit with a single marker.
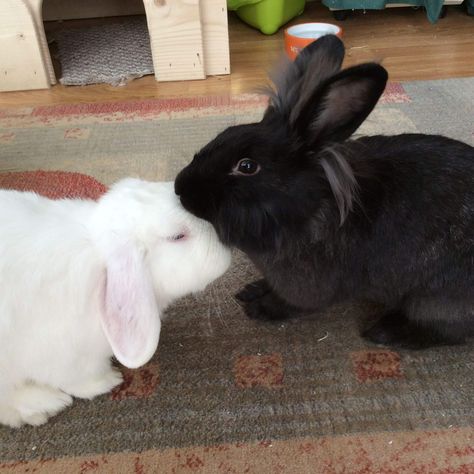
(327, 219)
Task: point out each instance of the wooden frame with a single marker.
(188, 38)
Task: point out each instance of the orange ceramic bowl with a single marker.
(299, 36)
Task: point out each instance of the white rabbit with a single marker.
(81, 281)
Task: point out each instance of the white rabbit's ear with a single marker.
(130, 319)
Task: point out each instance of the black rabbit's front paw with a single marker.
(266, 310)
(253, 291)
(270, 307)
(260, 302)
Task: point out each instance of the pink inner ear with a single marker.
(130, 319)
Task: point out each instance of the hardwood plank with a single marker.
(408, 45)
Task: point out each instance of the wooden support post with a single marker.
(36, 7)
(175, 33)
(215, 36)
(22, 63)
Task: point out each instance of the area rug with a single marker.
(112, 52)
(225, 394)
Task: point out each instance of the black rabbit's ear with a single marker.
(338, 107)
(295, 82)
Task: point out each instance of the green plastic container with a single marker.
(266, 15)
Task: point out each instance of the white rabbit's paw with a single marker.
(97, 386)
(33, 404)
(10, 416)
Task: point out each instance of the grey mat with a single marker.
(110, 53)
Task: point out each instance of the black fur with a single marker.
(328, 219)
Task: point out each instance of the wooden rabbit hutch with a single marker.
(188, 39)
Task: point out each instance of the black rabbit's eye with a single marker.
(246, 166)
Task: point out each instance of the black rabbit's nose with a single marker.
(183, 181)
(178, 185)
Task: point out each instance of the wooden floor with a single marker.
(402, 38)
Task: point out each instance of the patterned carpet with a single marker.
(225, 394)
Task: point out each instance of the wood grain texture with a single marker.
(36, 8)
(408, 45)
(22, 64)
(215, 36)
(176, 39)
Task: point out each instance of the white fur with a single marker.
(81, 281)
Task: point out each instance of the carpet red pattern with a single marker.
(53, 184)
